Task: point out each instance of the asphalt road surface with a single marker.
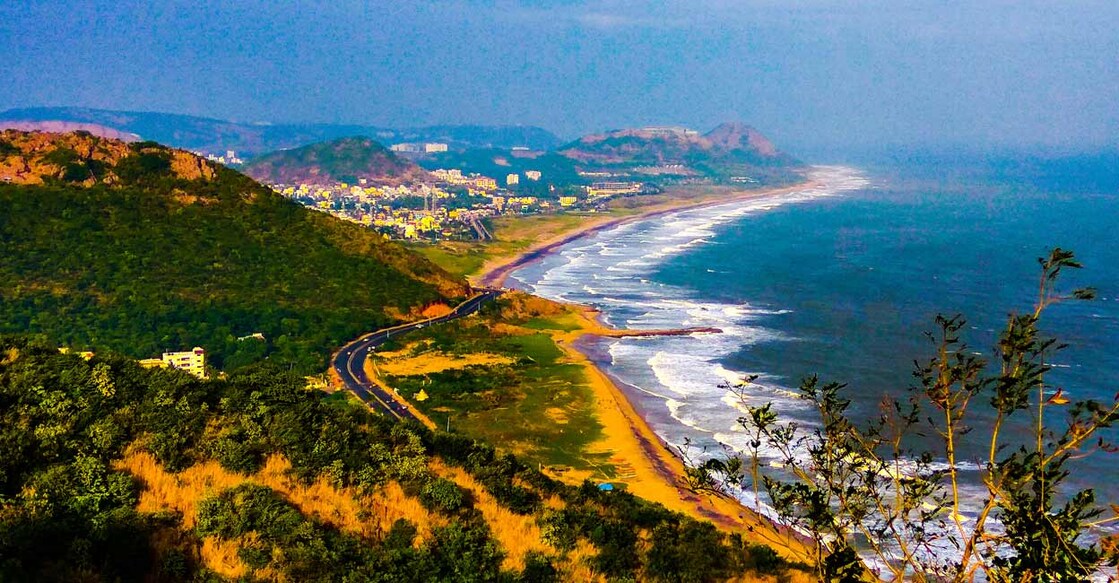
(350, 360)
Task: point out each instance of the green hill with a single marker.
(346, 160)
(141, 249)
(111, 472)
(729, 151)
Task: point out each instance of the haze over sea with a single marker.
(843, 279)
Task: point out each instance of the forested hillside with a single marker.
(347, 160)
(117, 246)
(109, 471)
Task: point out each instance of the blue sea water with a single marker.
(841, 280)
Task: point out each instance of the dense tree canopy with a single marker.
(68, 510)
(154, 262)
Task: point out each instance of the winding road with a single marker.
(349, 362)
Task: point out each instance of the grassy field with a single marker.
(537, 403)
(513, 234)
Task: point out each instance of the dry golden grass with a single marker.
(221, 557)
(516, 534)
(433, 362)
(391, 503)
(577, 567)
(503, 329)
(435, 310)
(557, 415)
(177, 492)
(343, 508)
(519, 305)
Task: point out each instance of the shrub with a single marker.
(444, 495)
(538, 569)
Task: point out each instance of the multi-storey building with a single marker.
(192, 361)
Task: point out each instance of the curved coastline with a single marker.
(495, 273)
(659, 472)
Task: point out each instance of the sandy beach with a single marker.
(494, 272)
(656, 472)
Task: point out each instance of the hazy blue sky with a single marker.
(812, 74)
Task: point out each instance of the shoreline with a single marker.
(494, 273)
(658, 473)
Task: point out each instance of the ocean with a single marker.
(842, 280)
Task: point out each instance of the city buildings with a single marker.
(415, 148)
(450, 205)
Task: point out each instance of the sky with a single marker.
(812, 74)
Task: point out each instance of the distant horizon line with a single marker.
(911, 146)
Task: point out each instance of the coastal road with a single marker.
(349, 362)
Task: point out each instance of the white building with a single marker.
(193, 361)
(435, 147)
(533, 175)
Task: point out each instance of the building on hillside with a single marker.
(533, 175)
(192, 361)
(568, 200)
(152, 363)
(512, 179)
(613, 188)
(452, 175)
(484, 183)
(435, 147)
(85, 354)
(406, 147)
(666, 131)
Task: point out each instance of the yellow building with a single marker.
(568, 200)
(193, 361)
(152, 363)
(485, 183)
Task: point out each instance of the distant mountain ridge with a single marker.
(346, 160)
(251, 139)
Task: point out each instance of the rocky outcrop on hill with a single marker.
(65, 127)
(83, 159)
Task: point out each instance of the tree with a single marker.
(891, 487)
